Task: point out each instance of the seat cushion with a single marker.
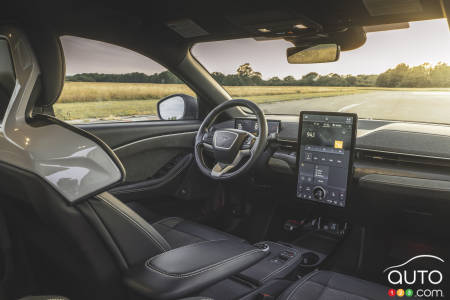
(324, 285)
(179, 232)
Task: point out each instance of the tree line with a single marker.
(135, 77)
(423, 75)
(402, 75)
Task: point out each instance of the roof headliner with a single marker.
(141, 26)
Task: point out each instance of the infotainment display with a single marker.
(325, 156)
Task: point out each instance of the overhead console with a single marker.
(325, 149)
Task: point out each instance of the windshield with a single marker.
(399, 74)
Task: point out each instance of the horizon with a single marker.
(147, 74)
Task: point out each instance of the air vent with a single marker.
(400, 158)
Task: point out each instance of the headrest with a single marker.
(50, 56)
(7, 78)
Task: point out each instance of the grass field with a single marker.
(106, 101)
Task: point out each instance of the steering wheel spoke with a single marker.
(220, 168)
(248, 142)
(207, 140)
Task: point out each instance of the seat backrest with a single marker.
(53, 177)
(7, 77)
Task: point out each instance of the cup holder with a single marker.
(309, 259)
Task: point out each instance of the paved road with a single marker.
(421, 106)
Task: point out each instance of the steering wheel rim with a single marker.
(221, 170)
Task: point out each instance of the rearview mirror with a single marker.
(178, 107)
(313, 54)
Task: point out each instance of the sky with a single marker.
(425, 41)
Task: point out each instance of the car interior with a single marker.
(226, 201)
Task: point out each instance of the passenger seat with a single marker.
(325, 285)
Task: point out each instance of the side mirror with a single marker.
(313, 54)
(178, 107)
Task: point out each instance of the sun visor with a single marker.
(389, 7)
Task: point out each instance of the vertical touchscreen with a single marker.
(324, 157)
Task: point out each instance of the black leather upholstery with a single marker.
(182, 271)
(48, 50)
(65, 251)
(136, 239)
(7, 78)
(324, 285)
(4, 101)
(197, 298)
(179, 232)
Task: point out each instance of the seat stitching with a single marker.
(276, 271)
(126, 217)
(175, 228)
(339, 290)
(324, 286)
(137, 225)
(207, 268)
(166, 219)
(184, 247)
(282, 267)
(205, 228)
(299, 284)
(185, 232)
(187, 235)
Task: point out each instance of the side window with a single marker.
(108, 83)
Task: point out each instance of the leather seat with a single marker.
(324, 285)
(179, 232)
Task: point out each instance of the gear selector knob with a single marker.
(319, 193)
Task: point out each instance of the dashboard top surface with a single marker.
(428, 140)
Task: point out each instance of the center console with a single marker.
(178, 272)
(271, 275)
(281, 260)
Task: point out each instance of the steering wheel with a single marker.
(230, 146)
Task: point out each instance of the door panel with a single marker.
(122, 133)
(142, 159)
(155, 154)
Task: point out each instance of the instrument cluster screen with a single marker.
(251, 125)
(324, 156)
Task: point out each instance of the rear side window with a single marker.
(7, 77)
(108, 83)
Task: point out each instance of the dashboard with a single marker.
(251, 125)
(400, 174)
(394, 162)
